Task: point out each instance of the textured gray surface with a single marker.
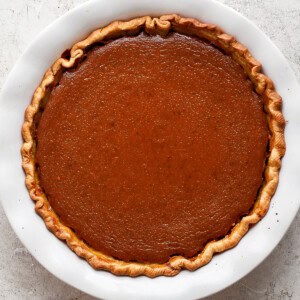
(21, 277)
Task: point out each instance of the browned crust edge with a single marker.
(263, 85)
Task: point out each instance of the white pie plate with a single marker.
(54, 255)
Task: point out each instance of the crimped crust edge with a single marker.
(264, 87)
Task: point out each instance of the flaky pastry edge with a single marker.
(162, 26)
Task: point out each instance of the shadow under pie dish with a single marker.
(153, 144)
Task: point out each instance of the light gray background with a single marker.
(21, 276)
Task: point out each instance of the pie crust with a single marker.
(162, 25)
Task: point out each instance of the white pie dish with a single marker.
(226, 268)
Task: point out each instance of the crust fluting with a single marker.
(162, 26)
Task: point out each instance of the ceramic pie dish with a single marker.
(159, 287)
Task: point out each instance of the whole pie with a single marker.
(153, 144)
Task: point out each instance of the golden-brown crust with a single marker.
(263, 85)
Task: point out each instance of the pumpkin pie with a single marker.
(153, 144)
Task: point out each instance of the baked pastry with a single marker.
(153, 144)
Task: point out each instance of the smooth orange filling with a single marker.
(152, 146)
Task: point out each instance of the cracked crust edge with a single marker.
(263, 86)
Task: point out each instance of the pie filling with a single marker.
(152, 146)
